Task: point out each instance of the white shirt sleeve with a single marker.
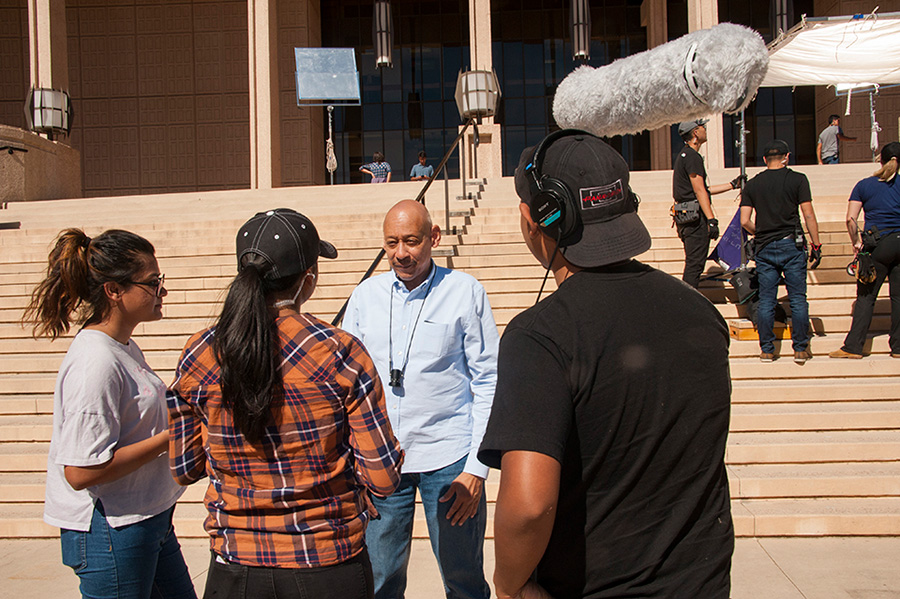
(89, 430)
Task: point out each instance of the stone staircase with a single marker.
(813, 449)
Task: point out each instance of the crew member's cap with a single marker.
(608, 228)
(776, 147)
(686, 127)
(285, 239)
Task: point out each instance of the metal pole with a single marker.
(462, 165)
(446, 203)
(330, 118)
(742, 144)
(475, 142)
(873, 139)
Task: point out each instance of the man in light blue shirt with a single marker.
(421, 171)
(431, 333)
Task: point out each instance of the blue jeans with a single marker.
(459, 549)
(138, 561)
(831, 159)
(782, 258)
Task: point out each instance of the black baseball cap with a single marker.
(776, 147)
(609, 229)
(285, 239)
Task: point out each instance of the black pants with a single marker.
(886, 257)
(695, 237)
(351, 579)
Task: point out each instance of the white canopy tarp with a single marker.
(837, 50)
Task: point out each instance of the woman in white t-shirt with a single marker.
(109, 489)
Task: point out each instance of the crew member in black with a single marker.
(689, 185)
(612, 404)
(775, 194)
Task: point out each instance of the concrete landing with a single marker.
(774, 568)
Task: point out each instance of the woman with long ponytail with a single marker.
(108, 485)
(878, 197)
(285, 415)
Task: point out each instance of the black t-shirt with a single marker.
(776, 194)
(622, 376)
(688, 162)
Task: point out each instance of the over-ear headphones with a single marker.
(553, 205)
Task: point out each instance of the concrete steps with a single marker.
(813, 449)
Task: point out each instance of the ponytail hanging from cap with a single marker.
(245, 348)
(890, 155)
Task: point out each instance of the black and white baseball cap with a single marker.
(285, 239)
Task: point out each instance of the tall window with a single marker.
(532, 54)
(410, 107)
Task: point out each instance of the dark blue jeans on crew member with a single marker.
(777, 259)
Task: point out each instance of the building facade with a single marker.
(182, 95)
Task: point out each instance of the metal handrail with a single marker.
(419, 198)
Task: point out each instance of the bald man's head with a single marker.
(409, 236)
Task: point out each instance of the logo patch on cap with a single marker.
(602, 197)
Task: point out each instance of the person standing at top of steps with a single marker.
(612, 406)
(108, 484)
(828, 148)
(775, 195)
(879, 197)
(431, 333)
(421, 171)
(689, 186)
(379, 169)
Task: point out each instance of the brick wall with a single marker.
(161, 95)
(14, 77)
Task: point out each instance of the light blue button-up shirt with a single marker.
(441, 411)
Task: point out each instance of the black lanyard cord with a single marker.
(397, 374)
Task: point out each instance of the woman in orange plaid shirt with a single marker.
(285, 414)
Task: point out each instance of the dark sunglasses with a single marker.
(156, 285)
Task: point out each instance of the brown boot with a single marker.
(840, 353)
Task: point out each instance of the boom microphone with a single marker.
(704, 72)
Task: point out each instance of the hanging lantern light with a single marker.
(477, 93)
(581, 30)
(48, 111)
(383, 34)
